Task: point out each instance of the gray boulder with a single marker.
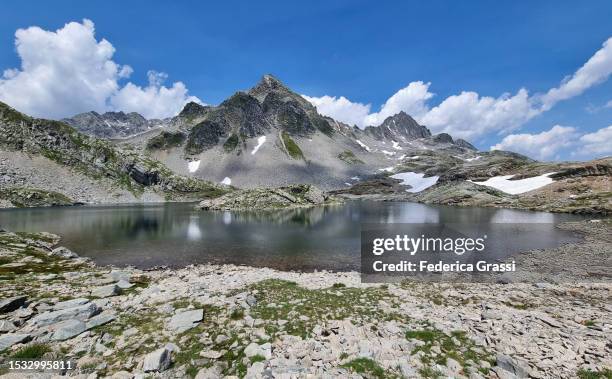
(63, 252)
(158, 360)
(185, 320)
(106, 291)
(81, 312)
(70, 303)
(515, 366)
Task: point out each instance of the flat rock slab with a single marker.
(159, 360)
(8, 340)
(100, 319)
(106, 291)
(186, 320)
(70, 303)
(81, 312)
(68, 329)
(12, 303)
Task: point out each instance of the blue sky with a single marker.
(364, 51)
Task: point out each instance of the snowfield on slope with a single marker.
(416, 181)
(515, 187)
(260, 141)
(193, 166)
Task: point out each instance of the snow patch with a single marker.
(396, 145)
(417, 181)
(363, 145)
(401, 157)
(388, 152)
(260, 141)
(227, 181)
(514, 187)
(387, 169)
(355, 178)
(473, 159)
(193, 166)
(415, 157)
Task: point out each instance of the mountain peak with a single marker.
(267, 84)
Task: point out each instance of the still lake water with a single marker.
(174, 234)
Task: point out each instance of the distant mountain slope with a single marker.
(89, 168)
(112, 124)
(272, 136)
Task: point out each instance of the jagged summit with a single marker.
(399, 127)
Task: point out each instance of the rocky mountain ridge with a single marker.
(55, 146)
(113, 124)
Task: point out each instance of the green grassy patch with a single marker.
(33, 351)
(284, 300)
(231, 143)
(456, 346)
(166, 140)
(293, 149)
(589, 374)
(368, 368)
(349, 157)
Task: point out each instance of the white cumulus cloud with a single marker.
(544, 145)
(69, 71)
(598, 142)
(595, 71)
(471, 115)
(340, 109)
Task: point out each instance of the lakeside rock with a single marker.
(295, 196)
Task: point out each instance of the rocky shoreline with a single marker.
(212, 321)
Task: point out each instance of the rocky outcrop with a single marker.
(269, 198)
(21, 197)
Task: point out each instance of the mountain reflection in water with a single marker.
(174, 234)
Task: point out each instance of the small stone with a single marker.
(453, 365)
(158, 360)
(63, 252)
(211, 354)
(12, 303)
(252, 350)
(106, 291)
(119, 275)
(221, 338)
(124, 284)
(214, 372)
(515, 366)
(251, 300)
(255, 370)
